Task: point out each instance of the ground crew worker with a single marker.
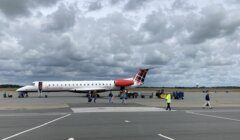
(94, 96)
(168, 101)
(124, 96)
(89, 96)
(207, 101)
(110, 96)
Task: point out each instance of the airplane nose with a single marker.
(27, 89)
(20, 89)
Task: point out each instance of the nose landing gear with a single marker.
(22, 94)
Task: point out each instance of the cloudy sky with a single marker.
(187, 41)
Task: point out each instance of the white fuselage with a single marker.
(77, 85)
(73, 86)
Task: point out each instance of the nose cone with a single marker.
(27, 89)
(21, 89)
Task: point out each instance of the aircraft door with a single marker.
(40, 87)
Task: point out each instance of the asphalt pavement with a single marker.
(214, 124)
(80, 120)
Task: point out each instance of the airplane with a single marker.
(83, 86)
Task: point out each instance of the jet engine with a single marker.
(123, 83)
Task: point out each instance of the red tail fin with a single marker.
(140, 76)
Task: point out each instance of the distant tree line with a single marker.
(10, 86)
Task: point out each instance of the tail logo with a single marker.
(140, 76)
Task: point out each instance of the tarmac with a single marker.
(68, 116)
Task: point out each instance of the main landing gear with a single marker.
(40, 95)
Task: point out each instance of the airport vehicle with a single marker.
(178, 95)
(83, 86)
(132, 94)
(175, 95)
(143, 95)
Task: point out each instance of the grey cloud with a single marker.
(95, 6)
(110, 44)
(182, 4)
(218, 61)
(45, 2)
(9, 65)
(57, 55)
(43, 51)
(232, 1)
(3, 25)
(12, 8)
(212, 24)
(61, 20)
(112, 37)
(113, 2)
(9, 49)
(91, 50)
(158, 27)
(155, 57)
(121, 57)
(135, 4)
(208, 26)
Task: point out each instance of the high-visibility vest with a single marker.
(168, 98)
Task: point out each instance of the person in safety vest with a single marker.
(168, 101)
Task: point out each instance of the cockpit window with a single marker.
(32, 84)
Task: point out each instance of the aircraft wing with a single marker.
(85, 90)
